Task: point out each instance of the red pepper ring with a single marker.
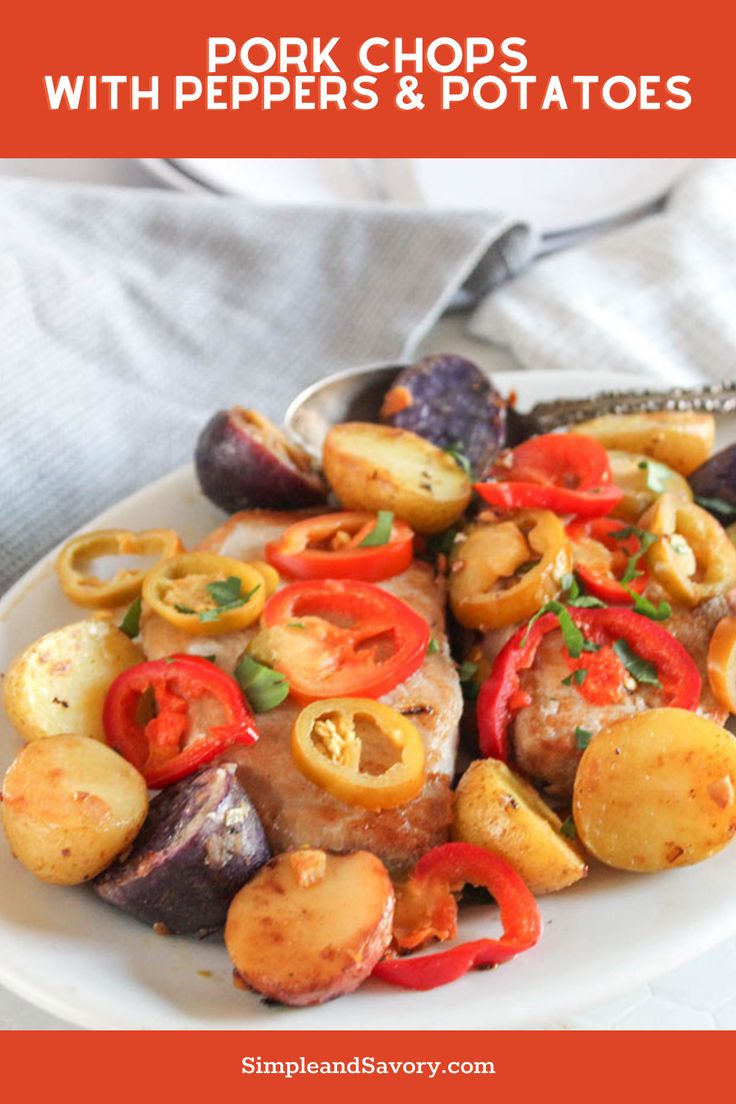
(157, 747)
(330, 547)
(457, 864)
(603, 581)
(565, 472)
(501, 695)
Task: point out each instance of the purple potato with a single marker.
(448, 400)
(245, 462)
(714, 484)
(201, 842)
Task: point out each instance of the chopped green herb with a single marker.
(582, 737)
(381, 531)
(717, 506)
(573, 596)
(571, 634)
(211, 658)
(658, 475)
(467, 671)
(263, 687)
(433, 647)
(296, 625)
(568, 828)
(131, 623)
(222, 593)
(640, 669)
(646, 540)
(225, 607)
(646, 608)
(457, 454)
(183, 609)
(578, 677)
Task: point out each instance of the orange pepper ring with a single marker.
(177, 567)
(94, 593)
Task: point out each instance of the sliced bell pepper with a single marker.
(693, 559)
(94, 593)
(501, 695)
(206, 595)
(338, 546)
(607, 558)
(167, 747)
(337, 638)
(505, 570)
(450, 867)
(722, 663)
(335, 751)
(564, 472)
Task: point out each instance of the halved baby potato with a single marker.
(498, 810)
(657, 790)
(377, 467)
(59, 683)
(311, 925)
(70, 806)
(682, 440)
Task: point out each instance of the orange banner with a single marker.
(501, 80)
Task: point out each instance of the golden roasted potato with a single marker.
(657, 790)
(310, 925)
(680, 439)
(642, 484)
(376, 467)
(70, 806)
(496, 809)
(59, 683)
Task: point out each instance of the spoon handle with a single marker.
(713, 398)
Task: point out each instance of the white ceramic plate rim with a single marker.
(604, 936)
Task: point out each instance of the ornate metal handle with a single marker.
(714, 398)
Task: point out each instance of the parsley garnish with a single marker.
(646, 540)
(658, 475)
(228, 595)
(433, 647)
(578, 677)
(567, 828)
(457, 454)
(717, 506)
(296, 625)
(263, 687)
(381, 531)
(183, 609)
(131, 623)
(646, 608)
(571, 634)
(582, 737)
(467, 671)
(640, 669)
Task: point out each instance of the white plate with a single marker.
(556, 194)
(78, 958)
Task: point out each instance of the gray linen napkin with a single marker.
(658, 296)
(128, 316)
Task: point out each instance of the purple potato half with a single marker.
(245, 462)
(448, 400)
(201, 842)
(714, 484)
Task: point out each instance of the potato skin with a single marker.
(59, 683)
(680, 439)
(498, 810)
(377, 467)
(70, 806)
(300, 941)
(657, 790)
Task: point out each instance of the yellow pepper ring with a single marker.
(487, 590)
(722, 663)
(269, 574)
(340, 756)
(180, 590)
(693, 558)
(94, 593)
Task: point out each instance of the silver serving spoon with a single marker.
(356, 395)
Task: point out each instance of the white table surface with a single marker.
(700, 995)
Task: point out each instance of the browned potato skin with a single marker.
(58, 684)
(70, 805)
(682, 440)
(394, 469)
(302, 942)
(657, 790)
(498, 810)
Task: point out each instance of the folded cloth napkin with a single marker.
(129, 316)
(656, 296)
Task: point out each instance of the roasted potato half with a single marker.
(59, 683)
(498, 810)
(310, 925)
(70, 806)
(680, 439)
(657, 790)
(377, 467)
